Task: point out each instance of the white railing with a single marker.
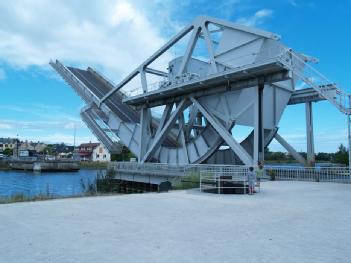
(316, 80)
(224, 181)
(293, 61)
(173, 169)
(73, 81)
(292, 173)
(314, 174)
(246, 61)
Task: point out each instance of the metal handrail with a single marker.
(320, 174)
(228, 68)
(298, 65)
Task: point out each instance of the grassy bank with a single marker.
(93, 165)
(187, 182)
(4, 165)
(20, 197)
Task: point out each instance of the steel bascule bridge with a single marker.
(248, 77)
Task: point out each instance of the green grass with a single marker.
(187, 182)
(20, 197)
(93, 165)
(4, 165)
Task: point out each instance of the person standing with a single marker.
(251, 177)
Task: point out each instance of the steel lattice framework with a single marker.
(243, 76)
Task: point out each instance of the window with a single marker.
(97, 156)
(104, 156)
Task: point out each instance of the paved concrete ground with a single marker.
(286, 222)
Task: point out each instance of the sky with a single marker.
(115, 36)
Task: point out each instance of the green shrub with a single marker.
(271, 175)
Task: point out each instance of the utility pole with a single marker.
(17, 145)
(74, 143)
(74, 137)
(349, 136)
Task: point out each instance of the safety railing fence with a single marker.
(316, 174)
(173, 169)
(208, 171)
(224, 181)
(313, 78)
(243, 61)
(80, 89)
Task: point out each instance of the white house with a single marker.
(101, 154)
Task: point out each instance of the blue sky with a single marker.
(115, 36)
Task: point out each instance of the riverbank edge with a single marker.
(38, 198)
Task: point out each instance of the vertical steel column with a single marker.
(349, 137)
(258, 125)
(144, 131)
(309, 134)
(145, 119)
(198, 123)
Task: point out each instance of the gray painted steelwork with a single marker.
(243, 76)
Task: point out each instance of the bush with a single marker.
(271, 175)
(89, 188)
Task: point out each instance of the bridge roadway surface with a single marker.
(286, 222)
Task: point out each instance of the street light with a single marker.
(17, 145)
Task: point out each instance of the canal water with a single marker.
(58, 184)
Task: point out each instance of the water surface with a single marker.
(58, 184)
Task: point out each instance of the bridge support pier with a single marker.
(258, 126)
(309, 134)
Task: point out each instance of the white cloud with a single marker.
(114, 35)
(40, 125)
(293, 3)
(66, 138)
(47, 113)
(2, 74)
(43, 117)
(5, 126)
(257, 18)
(52, 138)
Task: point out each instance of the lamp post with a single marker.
(17, 141)
(349, 136)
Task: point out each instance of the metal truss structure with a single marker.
(227, 75)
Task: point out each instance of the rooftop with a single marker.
(8, 140)
(91, 144)
(285, 222)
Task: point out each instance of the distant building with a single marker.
(7, 143)
(32, 148)
(101, 154)
(93, 152)
(62, 150)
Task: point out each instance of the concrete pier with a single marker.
(47, 166)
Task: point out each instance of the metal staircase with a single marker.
(317, 81)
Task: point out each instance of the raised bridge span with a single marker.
(239, 76)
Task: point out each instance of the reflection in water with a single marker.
(56, 184)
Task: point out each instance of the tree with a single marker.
(125, 155)
(341, 156)
(49, 149)
(321, 156)
(8, 152)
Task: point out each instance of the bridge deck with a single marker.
(243, 77)
(305, 95)
(96, 86)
